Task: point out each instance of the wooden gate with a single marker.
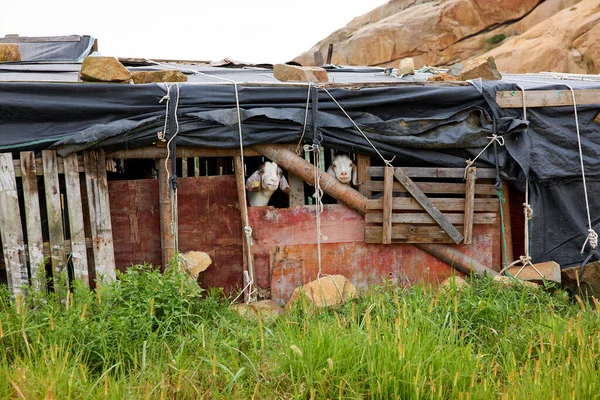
(439, 206)
(76, 216)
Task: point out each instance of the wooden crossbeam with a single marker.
(424, 201)
(547, 98)
(417, 172)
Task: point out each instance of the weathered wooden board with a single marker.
(39, 170)
(135, 222)
(99, 208)
(209, 221)
(406, 233)
(167, 217)
(419, 172)
(442, 204)
(370, 264)
(469, 204)
(436, 187)
(422, 218)
(362, 173)
(54, 209)
(388, 180)
(11, 232)
(76, 225)
(33, 219)
(296, 190)
(546, 98)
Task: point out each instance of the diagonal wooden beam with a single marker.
(424, 201)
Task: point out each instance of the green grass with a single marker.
(154, 336)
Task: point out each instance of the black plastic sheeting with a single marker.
(419, 125)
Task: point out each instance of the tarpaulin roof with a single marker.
(418, 123)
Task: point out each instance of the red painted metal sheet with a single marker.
(209, 221)
(135, 222)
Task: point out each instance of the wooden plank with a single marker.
(547, 98)
(247, 259)
(11, 232)
(388, 180)
(184, 167)
(76, 225)
(417, 172)
(435, 187)
(424, 218)
(33, 219)
(408, 234)
(362, 173)
(550, 271)
(507, 255)
(99, 209)
(469, 204)
(196, 166)
(428, 205)
(296, 190)
(166, 220)
(54, 209)
(442, 204)
(40, 169)
(184, 151)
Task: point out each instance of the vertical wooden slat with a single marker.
(388, 188)
(196, 166)
(99, 209)
(507, 226)
(362, 166)
(78, 249)
(54, 209)
(166, 220)
(35, 241)
(184, 167)
(11, 232)
(469, 204)
(296, 190)
(241, 188)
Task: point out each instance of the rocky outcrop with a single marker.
(441, 33)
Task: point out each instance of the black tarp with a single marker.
(420, 125)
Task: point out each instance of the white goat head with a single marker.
(264, 182)
(343, 169)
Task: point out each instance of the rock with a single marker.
(443, 77)
(293, 73)
(455, 70)
(509, 281)
(159, 76)
(9, 52)
(597, 119)
(325, 291)
(478, 68)
(550, 271)
(589, 284)
(453, 282)
(195, 262)
(406, 67)
(104, 69)
(266, 309)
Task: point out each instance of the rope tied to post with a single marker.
(493, 139)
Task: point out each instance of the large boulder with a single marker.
(168, 75)
(9, 52)
(104, 69)
(329, 290)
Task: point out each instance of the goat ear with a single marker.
(354, 175)
(330, 170)
(254, 181)
(283, 183)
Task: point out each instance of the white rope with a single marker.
(387, 162)
(493, 138)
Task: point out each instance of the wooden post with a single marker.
(78, 248)
(241, 189)
(99, 213)
(166, 220)
(507, 226)
(35, 242)
(54, 202)
(362, 173)
(469, 204)
(288, 160)
(456, 259)
(296, 190)
(388, 188)
(184, 167)
(11, 232)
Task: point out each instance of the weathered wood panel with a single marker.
(11, 232)
(135, 221)
(435, 187)
(442, 204)
(209, 220)
(54, 209)
(33, 220)
(388, 181)
(370, 264)
(165, 202)
(546, 98)
(76, 225)
(416, 218)
(432, 172)
(470, 204)
(99, 208)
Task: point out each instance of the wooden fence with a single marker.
(55, 209)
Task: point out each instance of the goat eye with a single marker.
(334, 166)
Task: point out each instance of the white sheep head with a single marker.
(264, 182)
(343, 169)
